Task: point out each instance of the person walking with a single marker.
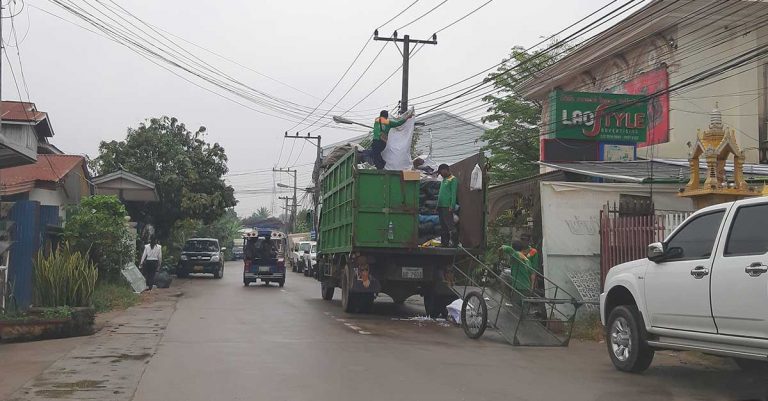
(381, 127)
(150, 262)
(446, 204)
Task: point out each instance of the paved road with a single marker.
(228, 342)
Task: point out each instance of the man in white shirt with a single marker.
(150, 262)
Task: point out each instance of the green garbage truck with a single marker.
(368, 235)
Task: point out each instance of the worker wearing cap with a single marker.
(381, 128)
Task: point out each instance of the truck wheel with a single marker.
(327, 290)
(281, 283)
(626, 340)
(348, 299)
(246, 283)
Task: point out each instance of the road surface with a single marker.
(228, 342)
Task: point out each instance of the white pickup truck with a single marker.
(705, 288)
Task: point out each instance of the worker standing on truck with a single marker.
(446, 204)
(381, 128)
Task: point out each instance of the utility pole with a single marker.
(406, 41)
(287, 212)
(316, 179)
(293, 213)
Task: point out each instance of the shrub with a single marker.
(64, 277)
(96, 227)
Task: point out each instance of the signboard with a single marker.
(655, 81)
(598, 116)
(313, 235)
(610, 152)
(569, 150)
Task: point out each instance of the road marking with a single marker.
(365, 333)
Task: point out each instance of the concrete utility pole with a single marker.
(318, 161)
(287, 212)
(406, 41)
(293, 212)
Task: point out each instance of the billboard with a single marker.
(598, 116)
(655, 81)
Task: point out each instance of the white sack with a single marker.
(476, 182)
(454, 310)
(397, 154)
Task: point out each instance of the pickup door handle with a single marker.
(699, 272)
(756, 269)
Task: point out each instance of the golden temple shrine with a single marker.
(715, 146)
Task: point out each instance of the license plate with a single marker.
(264, 269)
(198, 268)
(412, 272)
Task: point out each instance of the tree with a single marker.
(226, 229)
(96, 227)
(186, 170)
(514, 142)
(263, 213)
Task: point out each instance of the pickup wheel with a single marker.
(752, 366)
(626, 340)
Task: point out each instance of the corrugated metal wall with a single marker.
(26, 242)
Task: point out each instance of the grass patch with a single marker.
(113, 296)
(588, 327)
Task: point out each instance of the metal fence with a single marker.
(626, 238)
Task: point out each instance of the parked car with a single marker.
(264, 257)
(701, 289)
(201, 255)
(302, 247)
(237, 252)
(310, 260)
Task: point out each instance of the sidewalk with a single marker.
(106, 366)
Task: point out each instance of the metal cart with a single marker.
(493, 298)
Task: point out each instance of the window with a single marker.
(201, 246)
(748, 235)
(697, 237)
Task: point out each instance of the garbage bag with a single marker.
(162, 278)
(454, 310)
(476, 181)
(397, 154)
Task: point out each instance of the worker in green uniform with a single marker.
(532, 254)
(446, 204)
(519, 265)
(381, 128)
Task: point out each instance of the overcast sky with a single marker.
(94, 88)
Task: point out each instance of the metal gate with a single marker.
(626, 238)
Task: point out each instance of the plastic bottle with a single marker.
(391, 231)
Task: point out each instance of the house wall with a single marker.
(49, 197)
(571, 228)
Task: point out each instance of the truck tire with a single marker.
(281, 283)
(474, 315)
(327, 289)
(626, 340)
(348, 299)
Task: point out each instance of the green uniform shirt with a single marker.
(520, 269)
(448, 189)
(382, 126)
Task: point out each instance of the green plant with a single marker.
(64, 277)
(96, 227)
(113, 296)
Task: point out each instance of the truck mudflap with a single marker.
(364, 281)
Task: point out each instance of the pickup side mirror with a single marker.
(656, 252)
(306, 252)
(223, 249)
